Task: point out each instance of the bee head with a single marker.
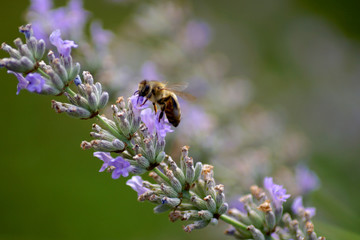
(144, 88)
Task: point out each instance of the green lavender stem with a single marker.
(233, 222)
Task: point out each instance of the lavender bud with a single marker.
(26, 64)
(174, 181)
(81, 101)
(205, 214)
(198, 168)
(11, 51)
(270, 220)
(196, 225)
(211, 205)
(174, 216)
(190, 215)
(142, 161)
(67, 62)
(32, 45)
(190, 170)
(92, 101)
(85, 145)
(220, 196)
(77, 80)
(156, 178)
(223, 208)
(168, 191)
(162, 208)
(149, 150)
(75, 70)
(55, 79)
(210, 188)
(24, 51)
(172, 202)
(49, 90)
(255, 218)
(71, 110)
(278, 213)
(176, 170)
(103, 145)
(40, 49)
(184, 154)
(60, 70)
(160, 146)
(103, 100)
(118, 144)
(138, 170)
(26, 30)
(18, 43)
(214, 221)
(198, 202)
(88, 78)
(160, 157)
(256, 233)
(241, 216)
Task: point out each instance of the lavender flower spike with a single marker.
(63, 46)
(277, 192)
(136, 183)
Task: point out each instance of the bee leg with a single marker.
(154, 104)
(162, 112)
(144, 102)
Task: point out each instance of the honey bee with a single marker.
(163, 95)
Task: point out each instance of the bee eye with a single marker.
(146, 88)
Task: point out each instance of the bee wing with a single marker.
(184, 95)
(179, 87)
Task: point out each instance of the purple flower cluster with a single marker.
(306, 179)
(136, 183)
(70, 19)
(297, 207)
(277, 192)
(150, 118)
(120, 165)
(63, 46)
(33, 82)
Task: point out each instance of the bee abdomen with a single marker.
(172, 111)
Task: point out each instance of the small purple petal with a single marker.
(122, 167)
(23, 83)
(162, 127)
(277, 192)
(297, 207)
(36, 82)
(63, 46)
(136, 183)
(105, 157)
(137, 104)
(149, 118)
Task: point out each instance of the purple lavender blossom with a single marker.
(100, 37)
(297, 207)
(122, 167)
(41, 6)
(63, 46)
(33, 82)
(277, 192)
(235, 203)
(151, 120)
(149, 71)
(23, 83)
(306, 179)
(105, 157)
(198, 34)
(36, 82)
(136, 183)
(138, 105)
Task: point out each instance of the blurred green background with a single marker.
(303, 58)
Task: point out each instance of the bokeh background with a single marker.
(303, 59)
